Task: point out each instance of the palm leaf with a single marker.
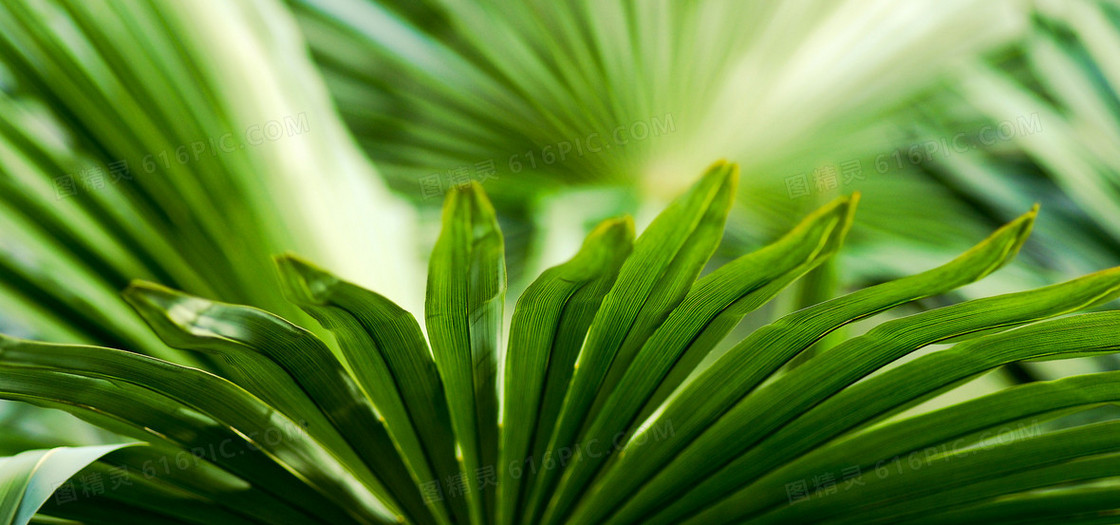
(28, 480)
(133, 145)
(111, 149)
(593, 414)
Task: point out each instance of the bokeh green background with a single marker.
(187, 142)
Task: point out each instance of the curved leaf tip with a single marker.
(28, 480)
(304, 283)
(167, 311)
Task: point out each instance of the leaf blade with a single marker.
(28, 479)
(667, 258)
(712, 307)
(764, 351)
(463, 313)
(536, 347)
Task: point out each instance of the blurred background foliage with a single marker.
(969, 111)
(187, 142)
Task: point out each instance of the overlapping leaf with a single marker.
(463, 311)
(595, 422)
(27, 480)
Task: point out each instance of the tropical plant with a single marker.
(433, 85)
(1066, 80)
(132, 147)
(596, 412)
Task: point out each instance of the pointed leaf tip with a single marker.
(727, 173)
(721, 174)
(142, 293)
(303, 282)
(1025, 223)
(613, 231)
(470, 203)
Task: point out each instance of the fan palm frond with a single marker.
(594, 417)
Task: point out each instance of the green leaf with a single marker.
(773, 405)
(949, 499)
(699, 404)
(579, 312)
(957, 468)
(934, 432)
(655, 279)
(463, 312)
(713, 306)
(206, 487)
(1071, 506)
(192, 322)
(198, 412)
(28, 479)
(126, 151)
(598, 349)
(880, 396)
(135, 498)
(386, 349)
(538, 348)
